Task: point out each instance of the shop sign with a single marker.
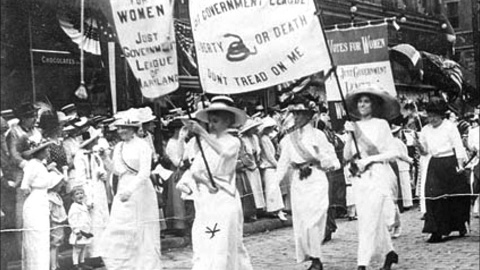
(361, 56)
(247, 45)
(61, 58)
(147, 39)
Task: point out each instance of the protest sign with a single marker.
(361, 56)
(246, 45)
(147, 38)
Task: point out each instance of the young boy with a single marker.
(81, 224)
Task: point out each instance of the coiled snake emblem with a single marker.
(237, 51)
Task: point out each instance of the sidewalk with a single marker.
(172, 242)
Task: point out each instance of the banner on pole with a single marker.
(246, 45)
(361, 56)
(147, 39)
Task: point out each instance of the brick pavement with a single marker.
(275, 250)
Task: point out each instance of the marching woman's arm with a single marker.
(348, 149)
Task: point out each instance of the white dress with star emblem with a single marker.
(217, 232)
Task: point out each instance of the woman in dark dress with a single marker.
(446, 212)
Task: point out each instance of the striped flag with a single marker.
(183, 32)
(288, 89)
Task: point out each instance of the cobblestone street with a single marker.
(275, 250)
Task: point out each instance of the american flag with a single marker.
(183, 32)
(288, 89)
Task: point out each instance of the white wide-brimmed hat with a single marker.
(267, 122)
(250, 124)
(146, 115)
(388, 109)
(36, 148)
(93, 134)
(128, 118)
(223, 103)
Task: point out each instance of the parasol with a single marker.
(443, 73)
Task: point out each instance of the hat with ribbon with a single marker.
(146, 115)
(267, 122)
(34, 148)
(128, 118)
(388, 107)
(223, 103)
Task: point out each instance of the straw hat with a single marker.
(90, 136)
(223, 103)
(35, 149)
(250, 124)
(82, 122)
(268, 122)
(146, 115)
(129, 118)
(388, 109)
(395, 128)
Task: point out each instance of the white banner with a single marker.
(246, 45)
(147, 38)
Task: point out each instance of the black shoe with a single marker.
(352, 218)
(435, 238)
(463, 231)
(361, 267)
(328, 236)
(316, 265)
(390, 259)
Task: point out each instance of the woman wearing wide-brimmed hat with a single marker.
(306, 156)
(249, 181)
(217, 233)
(90, 172)
(18, 140)
(131, 239)
(268, 165)
(445, 174)
(37, 179)
(372, 185)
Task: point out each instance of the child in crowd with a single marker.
(81, 224)
(58, 217)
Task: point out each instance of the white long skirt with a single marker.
(217, 233)
(131, 239)
(309, 213)
(374, 204)
(99, 214)
(256, 183)
(273, 194)
(36, 234)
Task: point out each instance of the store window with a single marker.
(453, 14)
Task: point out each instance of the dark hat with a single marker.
(437, 105)
(25, 110)
(322, 109)
(3, 125)
(463, 127)
(49, 121)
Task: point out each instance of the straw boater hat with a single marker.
(223, 103)
(128, 118)
(146, 115)
(35, 149)
(250, 124)
(388, 109)
(82, 122)
(89, 137)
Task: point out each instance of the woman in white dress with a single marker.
(372, 185)
(90, 172)
(217, 233)
(308, 154)
(36, 213)
(131, 239)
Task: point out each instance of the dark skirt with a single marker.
(446, 213)
(337, 190)
(246, 194)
